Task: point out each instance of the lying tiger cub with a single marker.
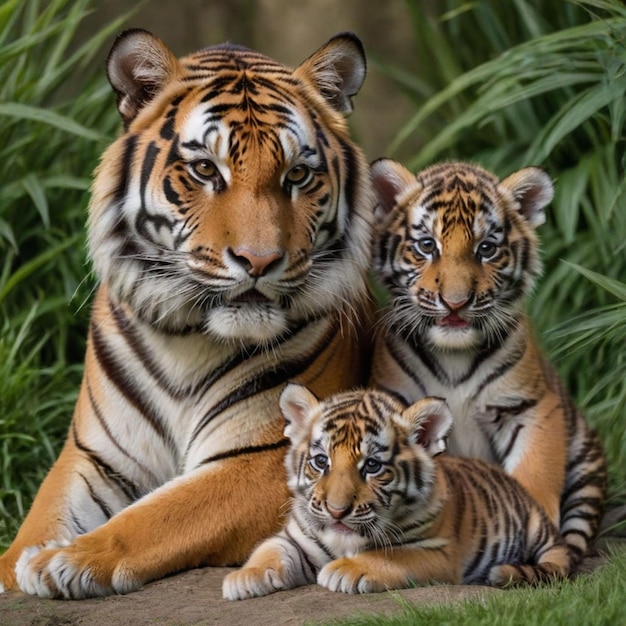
(374, 508)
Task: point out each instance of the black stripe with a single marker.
(104, 425)
(102, 505)
(515, 357)
(266, 380)
(125, 167)
(277, 445)
(127, 487)
(115, 371)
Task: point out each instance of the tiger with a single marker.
(229, 230)
(457, 252)
(377, 507)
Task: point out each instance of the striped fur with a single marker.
(375, 506)
(457, 250)
(229, 228)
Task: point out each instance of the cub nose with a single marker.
(338, 512)
(256, 264)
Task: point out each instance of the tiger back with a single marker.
(376, 507)
(457, 250)
(229, 228)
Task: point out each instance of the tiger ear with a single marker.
(390, 179)
(429, 421)
(532, 188)
(138, 66)
(296, 403)
(337, 70)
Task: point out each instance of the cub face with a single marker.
(457, 249)
(359, 461)
(235, 203)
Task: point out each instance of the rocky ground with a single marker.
(194, 597)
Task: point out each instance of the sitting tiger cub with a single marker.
(374, 508)
(456, 247)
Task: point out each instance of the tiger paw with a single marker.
(250, 582)
(504, 576)
(68, 572)
(349, 576)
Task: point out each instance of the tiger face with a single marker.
(457, 249)
(358, 462)
(235, 202)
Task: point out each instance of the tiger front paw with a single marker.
(70, 572)
(251, 582)
(349, 576)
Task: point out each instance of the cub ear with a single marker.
(296, 403)
(429, 421)
(532, 188)
(390, 179)
(138, 66)
(337, 70)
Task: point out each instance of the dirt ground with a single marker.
(194, 598)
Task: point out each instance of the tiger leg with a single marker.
(371, 572)
(63, 508)
(277, 564)
(211, 516)
(537, 457)
(555, 563)
(584, 493)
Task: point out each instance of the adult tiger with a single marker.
(457, 249)
(229, 228)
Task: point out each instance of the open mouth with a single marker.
(252, 296)
(341, 528)
(453, 321)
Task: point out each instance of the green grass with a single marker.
(588, 600)
(51, 137)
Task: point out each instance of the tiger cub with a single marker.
(457, 250)
(374, 508)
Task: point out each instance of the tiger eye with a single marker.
(426, 245)
(298, 175)
(487, 249)
(204, 168)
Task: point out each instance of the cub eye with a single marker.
(204, 168)
(487, 249)
(298, 175)
(319, 462)
(372, 466)
(426, 246)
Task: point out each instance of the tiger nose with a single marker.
(256, 264)
(455, 305)
(338, 512)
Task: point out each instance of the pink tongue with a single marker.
(453, 320)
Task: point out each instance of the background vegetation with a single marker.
(50, 139)
(505, 84)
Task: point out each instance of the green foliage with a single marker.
(509, 84)
(48, 149)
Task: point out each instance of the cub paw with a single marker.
(251, 582)
(348, 576)
(504, 576)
